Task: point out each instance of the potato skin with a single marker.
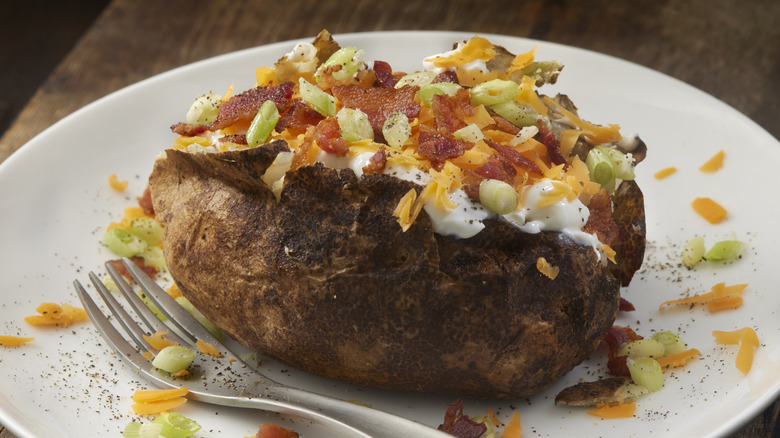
(327, 282)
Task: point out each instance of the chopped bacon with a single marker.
(245, 106)
(188, 129)
(616, 338)
(298, 118)
(446, 76)
(449, 112)
(551, 143)
(384, 74)
(328, 137)
(234, 138)
(145, 201)
(625, 305)
(440, 148)
(269, 430)
(459, 425)
(618, 366)
(470, 182)
(514, 157)
(139, 261)
(498, 168)
(377, 162)
(505, 125)
(379, 103)
(600, 220)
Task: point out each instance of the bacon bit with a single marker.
(505, 125)
(459, 425)
(718, 292)
(158, 340)
(273, 431)
(234, 138)
(512, 429)
(617, 366)
(328, 137)
(13, 341)
(145, 202)
(115, 184)
(600, 220)
(546, 268)
(616, 338)
(663, 173)
(53, 314)
(244, 106)
(379, 103)
(384, 74)
(446, 76)
(189, 130)
(551, 143)
(438, 148)
(678, 359)
(206, 348)
(614, 410)
(713, 164)
(710, 210)
(497, 167)
(298, 118)
(514, 157)
(377, 162)
(625, 305)
(450, 112)
(151, 271)
(747, 340)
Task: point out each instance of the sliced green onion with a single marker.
(110, 284)
(428, 91)
(123, 243)
(153, 256)
(354, 125)
(396, 129)
(600, 167)
(643, 348)
(348, 58)
(646, 372)
(673, 344)
(150, 304)
(498, 196)
(263, 124)
(470, 133)
(204, 110)
(210, 326)
(724, 251)
(142, 430)
(693, 251)
(321, 101)
(624, 163)
(147, 229)
(175, 425)
(174, 358)
(517, 114)
(493, 92)
(417, 79)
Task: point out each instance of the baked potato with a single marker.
(319, 270)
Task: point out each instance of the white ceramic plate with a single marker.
(56, 202)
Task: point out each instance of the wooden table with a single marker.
(728, 49)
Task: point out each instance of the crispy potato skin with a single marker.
(326, 281)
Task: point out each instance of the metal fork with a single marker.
(226, 381)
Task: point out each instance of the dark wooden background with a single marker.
(56, 57)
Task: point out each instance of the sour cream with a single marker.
(428, 64)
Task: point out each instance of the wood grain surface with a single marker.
(726, 48)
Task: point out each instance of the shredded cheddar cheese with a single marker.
(663, 173)
(158, 340)
(713, 164)
(710, 210)
(51, 314)
(475, 49)
(546, 268)
(206, 348)
(115, 184)
(14, 341)
(747, 340)
(614, 410)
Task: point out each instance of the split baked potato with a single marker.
(320, 275)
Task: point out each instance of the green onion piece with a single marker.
(498, 196)
(428, 91)
(673, 344)
(354, 125)
(470, 133)
(153, 256)
(142, 430)
(110, 284)
(210, 326)
(321, 101)
(396, 129)
(348, 58)
(518, 115)
(600, 167)
(174, 358)
(175, 425)
(263, 124)
(693, 251)
(150, 304)
(646, 372)
(417, 79)
(543, 72)
(724, 251)
(493, 92)
(147, 229)
(643, 348)
(123, 243)
(204, 110)
(623, 163)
